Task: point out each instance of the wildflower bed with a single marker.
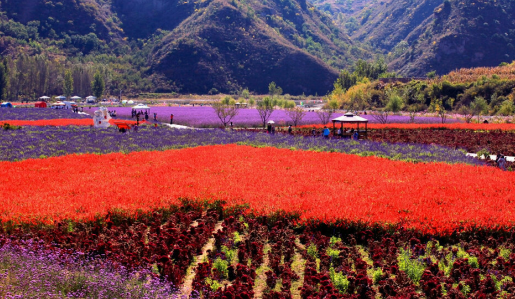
(36, 142)
(276, 216)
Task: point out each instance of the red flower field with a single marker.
(434, 198)
(62, 122)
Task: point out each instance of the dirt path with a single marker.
(260, 282)
(190, 274)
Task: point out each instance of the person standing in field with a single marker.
(314, 132)
(290, 130)
(155, 116)
(326, 132)
(171, 119)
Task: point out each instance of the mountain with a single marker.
(185, 45)
(227, 45)
(460, 34)
(419, 36)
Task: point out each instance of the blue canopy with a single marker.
(6, 105)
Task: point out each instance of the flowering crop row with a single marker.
(61, 122)
(247, 257)
(473, 141)
(38, 142)
(206, 117)
(39, 114)
(407, 126)
(330, 187)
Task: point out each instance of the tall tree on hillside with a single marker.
(274, 90)
(68, 84)
(98, 85)
(3, 79)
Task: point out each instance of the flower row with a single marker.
(328, 187)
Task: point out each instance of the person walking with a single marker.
(314, 132)
(146, 116)
(171, 119)
(290, 130)
(501, 161)
(155, 116)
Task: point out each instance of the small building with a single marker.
(40, 105)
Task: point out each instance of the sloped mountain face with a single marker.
(345, 7)
(70, 17)
(141, 18)
(419, 36)
(229, 45)
(385, 24)
(460, 34)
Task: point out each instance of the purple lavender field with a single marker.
(205, 117)
(29, 270)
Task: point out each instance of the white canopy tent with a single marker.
(44, 98)
(61, 98)
(58, 105)
(76, 98)
(91, 99)
(141, 107)
(351, 118)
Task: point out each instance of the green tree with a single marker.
(507, 108)
(3, 80)
(98, 85)
(226, 110)
(68, 83)
(265, 108)
(478, 106)
(274, 90)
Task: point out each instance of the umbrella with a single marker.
(271, 122)
(76, 98)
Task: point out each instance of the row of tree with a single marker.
(30, 77)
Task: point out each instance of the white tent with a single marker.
(141, 107)
(61, 98)
(271, 122)
(130, 102)
(44, 98)
(76, 98)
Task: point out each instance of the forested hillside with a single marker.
(171, 46)
(419, 36)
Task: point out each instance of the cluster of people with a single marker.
(76, 109)
(140, 114)
(112, 113)
(340, 134)
(270, 129)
